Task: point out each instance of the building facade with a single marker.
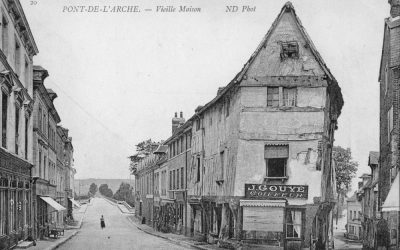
(16, 101)
(354, 228)
(48, 212)
(261, 150)
(179, 160)
(253, 165)
(389, 209)
(368, 197)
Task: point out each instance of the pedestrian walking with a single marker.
(102, 223)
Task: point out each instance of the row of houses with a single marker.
(36, 153)
(253, 165)
(376, 203)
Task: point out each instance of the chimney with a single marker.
(175, 122)
(181, 119)
(394, 8)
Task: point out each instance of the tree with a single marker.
(105, 190)
(143, 149)
(125, 193)
(93, 189)
(346, 170)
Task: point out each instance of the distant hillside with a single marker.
(113, 184)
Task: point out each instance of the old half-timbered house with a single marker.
(17, 48)
(261, 168)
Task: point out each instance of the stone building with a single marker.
(354, 229)
(47, 210)
(17, 48)
(179, 158)
(261, 150)
(389, 130)
(144, 180)
(368, 197)
(66, 171)
(161, 220)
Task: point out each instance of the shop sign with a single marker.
(261, 191)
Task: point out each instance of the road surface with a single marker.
(119, 233)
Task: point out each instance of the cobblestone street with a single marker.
(119, 233)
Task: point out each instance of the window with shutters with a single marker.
(276, 157)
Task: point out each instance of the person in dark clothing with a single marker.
(319, 245)
(102, 223)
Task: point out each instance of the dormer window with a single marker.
(289, 50)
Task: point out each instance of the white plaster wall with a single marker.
(251, 167)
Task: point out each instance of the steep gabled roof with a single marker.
(288, 7)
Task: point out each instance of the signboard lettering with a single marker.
(261, 191)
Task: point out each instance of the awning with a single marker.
(53, 203)
(75, 202)
(392, 200)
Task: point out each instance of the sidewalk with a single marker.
(69, 232)
(177, 239)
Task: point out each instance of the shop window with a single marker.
(293, 223)
(273, 96)
(276, 159)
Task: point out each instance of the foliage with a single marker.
(105, 190)
(125, 193)
(93, 189)
(346, 169)
(143, 149)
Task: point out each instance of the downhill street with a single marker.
(119, 233)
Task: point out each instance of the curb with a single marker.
(175, 241)
(62, 241)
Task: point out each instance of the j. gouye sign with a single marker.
(261, 191)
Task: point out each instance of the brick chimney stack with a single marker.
(394, 8)
(181, 119)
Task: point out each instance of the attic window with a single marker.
(289, 50)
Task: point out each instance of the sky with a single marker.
(120, 77)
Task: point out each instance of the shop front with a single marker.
(195, 221)
(49, 213)
(270, 219)
(15, 200)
